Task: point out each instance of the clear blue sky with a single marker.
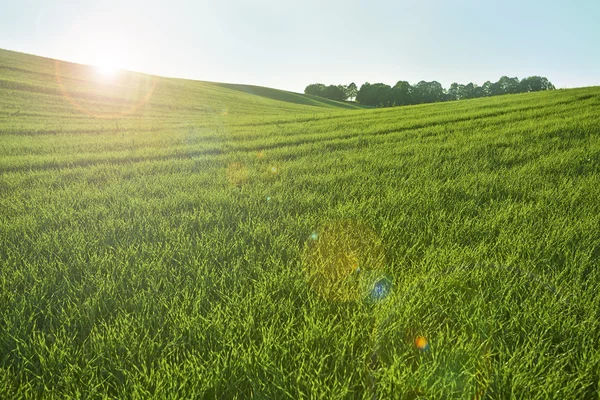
(289, 44)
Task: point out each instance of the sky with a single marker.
(290, 44)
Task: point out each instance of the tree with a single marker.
(454, 91)
(378, 94)
(469, 91)
(420, 93)
(334, 92)
(351, 91)
(487, 88)
(508, 85)
(402, 93)
(495, 89)
(535, 84)
(382, 95)
(478, 92)
(436, 91)
(363, 93)
(315, 89)
(428, 92)
(546, 84)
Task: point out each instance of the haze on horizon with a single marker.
(288, 45)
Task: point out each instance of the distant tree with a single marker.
(420, 93)
(478, 91)
(524, 86)
(402, 93)
(436, 91)
(535, 84)
(496, 89)
(335, 92)
(377, 94)
(546, 84)
(363, 93)
(382, 95)
(462, 94)
(428, 92)
(351, 90)
(508, 85)
(469, 91)
(487, 88)
(454, 91)
(315, 89)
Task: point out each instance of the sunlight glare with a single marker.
(106, 70)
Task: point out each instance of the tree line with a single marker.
(402, 93)
(333, 92)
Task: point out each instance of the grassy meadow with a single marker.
(173, 239)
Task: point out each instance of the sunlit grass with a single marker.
(282, 250)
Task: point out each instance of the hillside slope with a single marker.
(209, 243)
(44, 87)
(291, 97)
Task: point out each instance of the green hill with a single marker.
(44, 78)
(291, 97)
(180, 239)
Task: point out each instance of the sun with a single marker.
(106, 70)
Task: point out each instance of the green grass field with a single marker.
(173, 239)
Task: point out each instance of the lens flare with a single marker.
(344, 262)
(422, 343)
(121, 95)
(107, 71)
(439, 330)
(444, 308)
(381, 289)
(237, 173)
